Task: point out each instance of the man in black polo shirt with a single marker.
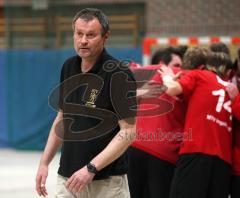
(96, 121)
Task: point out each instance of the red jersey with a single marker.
(160, 134)
(236, 107)
(236, 148)
(236, 136)
(208, 118)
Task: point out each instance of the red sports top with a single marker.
(208, 119)
(236, 138)
(236, 107)
(160, 134)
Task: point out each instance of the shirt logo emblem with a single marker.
(92, 98)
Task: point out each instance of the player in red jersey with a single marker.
(153, 154)
(203, 169)
(233, 91)
(235, 97)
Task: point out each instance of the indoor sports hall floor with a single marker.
(17, 174)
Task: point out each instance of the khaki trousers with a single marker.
(113, 187)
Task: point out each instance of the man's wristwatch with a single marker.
(91, 168)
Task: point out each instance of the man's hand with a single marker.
(169, 80)
(79, 180)
(167, 71)
(150, 90)
(41, 180)
(232, 90)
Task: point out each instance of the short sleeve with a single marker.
(188, 82)
(123, 94)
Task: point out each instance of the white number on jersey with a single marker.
(221, 96)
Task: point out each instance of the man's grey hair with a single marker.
(89, 14)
